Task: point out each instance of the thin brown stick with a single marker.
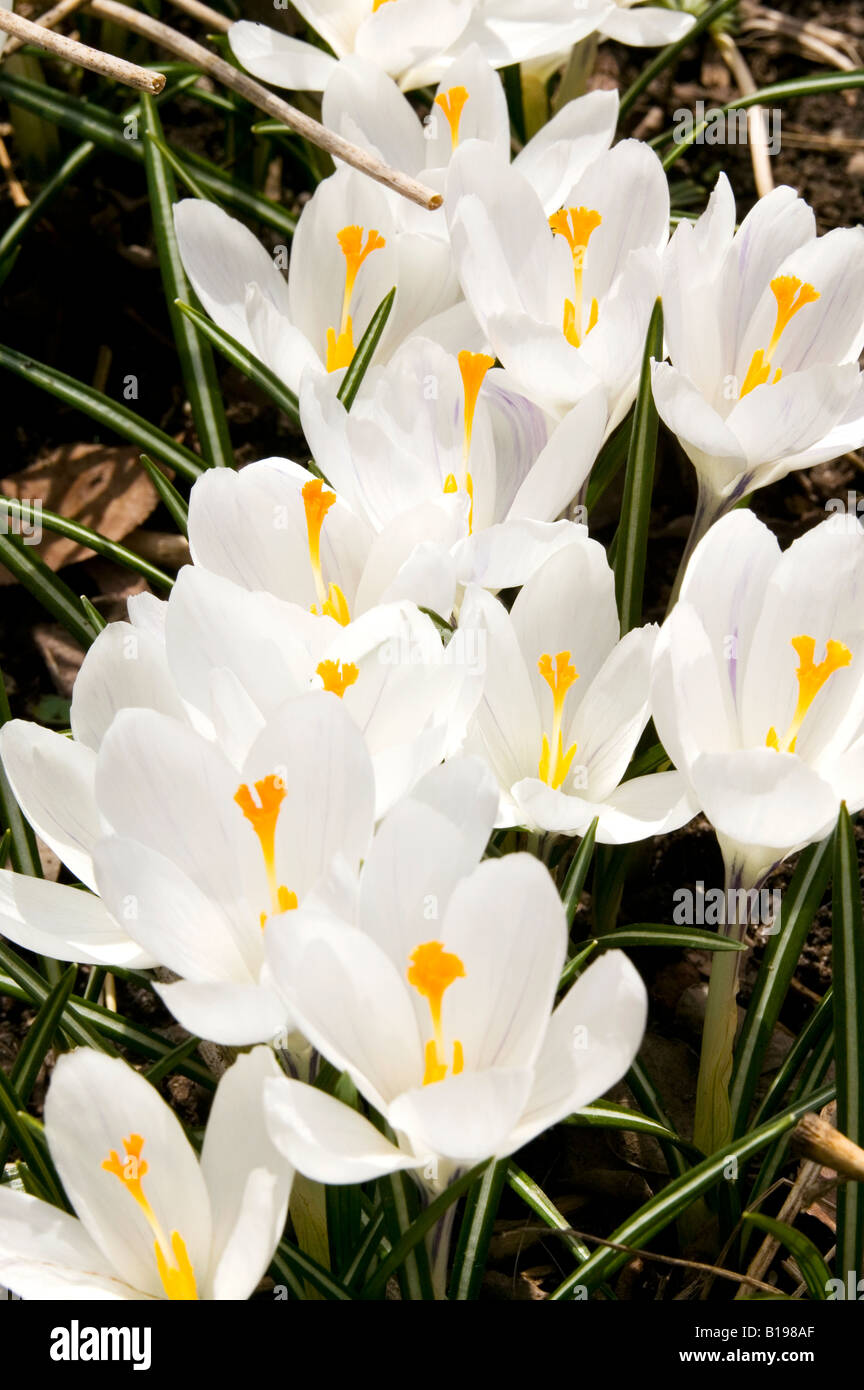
(203, 13)
(13, 183)
(757, 127)
(49, 20)
(251, 91)
(82, 56)
(715, 1270)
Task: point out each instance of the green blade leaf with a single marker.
(799, 906)
(15, 1121)
(244, 360)
(40, 1036)
(814, 1271)
(76, 531)
(176, 504)
(55, 596)
(659, 934)
(670, 54)
(847, 940)
(297, 1268)
(809, 1039)
(632, 543)
(475, 1233)
(604, 1115)
(353, 378)
(609, 462)
(418, 1229)
(111, 414)
(668, 1205)
(574, 882)
(49, 190)
(646, 1093)
(196, 359)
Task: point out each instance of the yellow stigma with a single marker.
(811, 679)
(576, 226)
(791, 295)
(452, 103)
(431, 971)
(340, 346)
(559, 675)
(172, 1261)
(473, 367)
(337, 675)
(376, 4)
(262, 815)
(317, 502)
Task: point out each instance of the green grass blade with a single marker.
(353, 378)
(670, 54)
(196, 359)
(668, 1205)
(475, 1233)
(659, 934)
(814, 1270)
(574, 882)
(174, 501)
(418, 1229)
(296, 1267)
(76, 531)
(777, 91)
(54, 595)
(648, 1097)
(40, 1036)
(183, 172)
(847, 940)
(108, 413)
(820, 1022)
(244, 361)
(609, 463)
(632, 544)
(799, 906)
(604, 1115)
(15, 1121)
(535, 1198)
(49, 190)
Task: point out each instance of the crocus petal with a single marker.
(52, 778)
(326, 1140)
(646, 26)
(65, 924)
(279, 59)
(247, 1179)
(125, 667)
(235, 1015)
(47, 1255)
(468, 1117)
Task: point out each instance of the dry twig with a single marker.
(81, 55)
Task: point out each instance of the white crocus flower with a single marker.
(564, 705)
(440, 1006)
(432, 424)
(347, 253)
(564, 299)
(758, 687)
(645, 25)
(764, 327)
(365, 106)
(152, 1222)
(415, 41)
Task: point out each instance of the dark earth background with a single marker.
(85, 296)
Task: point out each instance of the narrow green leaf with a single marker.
(92, 614)
(649, 1098)
(659, 934)
(182, 170)
(574, 882)
(49, 190)
(814, 1271)
(40, 1036)
(244, 360)
(15, 1121)
(76, 531)
(366, 1250)
(475, 1232)
(418, 1230)
(809, 1039)
(50, 590)
(604, 1115)
(108, 413)
(171, 1060)
(632, 547)
(609, 463)
(799, 906)
(670, 54)
(534, 1197)
(400, 1204)
(353, 378)
(176, 504)
(196, 359)
(297, 1268)
(847, 942)
(822, 82)
(655, 1215)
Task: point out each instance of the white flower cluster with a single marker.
(282, 782)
